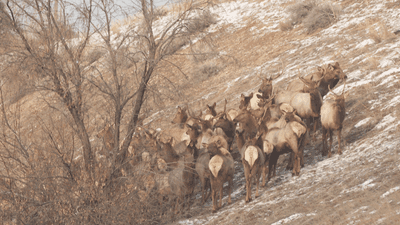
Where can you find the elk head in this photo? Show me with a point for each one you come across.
(211, 109)
(180, 116)
(245, 101)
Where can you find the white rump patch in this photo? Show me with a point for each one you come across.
(185, 138)
(161, 164)
(297, 128)
(268, 147)
(232, 114)
(251, 155)
(215, 164)
(285, 107)
(224, 151)
(208, 117)
(254, 101)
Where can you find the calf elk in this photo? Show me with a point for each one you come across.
(332, 116)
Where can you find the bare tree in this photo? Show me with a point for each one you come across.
(72, 58)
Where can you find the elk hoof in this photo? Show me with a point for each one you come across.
(214, 210)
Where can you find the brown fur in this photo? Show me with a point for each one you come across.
(245, 101)
(333, 113)
(228, 127)
(204, 173)
(225, 173)
(284, 140)
(181, 117)
(332, 75)
(251, 170)
(211, 109)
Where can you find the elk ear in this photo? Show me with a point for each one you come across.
(251, 95)
(171, 140)
(346, 94)
(337, 64)
(215, 104)
(330, 67)
(218, 142)
(179, 109)
(242, 95)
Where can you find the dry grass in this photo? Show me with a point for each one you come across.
(312, 14)
(378, 31)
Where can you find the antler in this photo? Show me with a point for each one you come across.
(329, 87)
(226, 102)
(273, 78)
(344, 87)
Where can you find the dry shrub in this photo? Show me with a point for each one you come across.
(194, 25)
(206, 70)
(380, 33)
(321, 16)
(202, 51)
(285, 25)
(175, 44)
(299, 11)
(203, 20)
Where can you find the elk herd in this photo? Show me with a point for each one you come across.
(267, 124)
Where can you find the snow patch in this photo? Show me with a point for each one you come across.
(362, 122)
(390, 191)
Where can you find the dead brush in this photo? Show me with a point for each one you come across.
(380, 32)
(322, 16)
(299, 11)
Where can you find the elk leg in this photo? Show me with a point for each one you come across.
(292, 141)
(272, 162)
(220, 196)
(290, 163)
(340, 149)
(258, 174)
(207, 189)
(214, 196)
(230, 190)
(264, 173)
(316, 121)
(330, 143)
(324, 141)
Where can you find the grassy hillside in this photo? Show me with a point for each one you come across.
(359, 187)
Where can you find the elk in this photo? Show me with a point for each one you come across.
(307, 105)
(210, 112)
(182, 179)
(204, 173)
(265, 90)
(232, 114)
(222, 169)
(332, 116)
(225, 127)
(247, 122)
(253, 160)
(288, 138)
(331, 74)
(181, 117)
